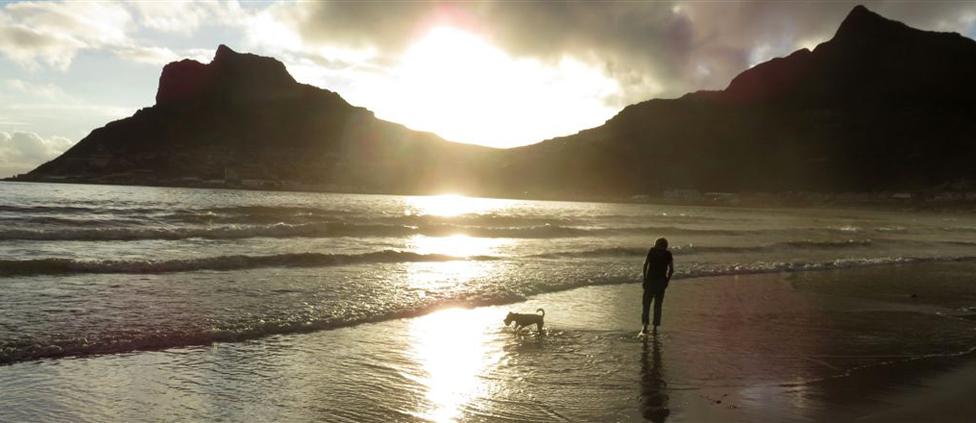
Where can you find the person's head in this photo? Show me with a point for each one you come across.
(661, 243)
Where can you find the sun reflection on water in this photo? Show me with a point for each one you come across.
(475, 259)
(459, 245)
(444, 277)
(454, 352)
(453, 347)
(452, 205)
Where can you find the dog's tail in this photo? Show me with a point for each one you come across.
(541, 311)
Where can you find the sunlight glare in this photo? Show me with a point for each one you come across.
(451, 347)
(451, 275)
(458, 245)
(458, 85)
(452, 205)
(444, 278)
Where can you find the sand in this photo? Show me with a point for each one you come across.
(872, 344)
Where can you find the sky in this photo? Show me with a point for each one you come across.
(497, 73)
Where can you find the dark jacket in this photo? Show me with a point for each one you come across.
(658, 267)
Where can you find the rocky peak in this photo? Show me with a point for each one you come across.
(869, 57)
(862, 24)
(229, 76)
(181, 81)
(223, 53)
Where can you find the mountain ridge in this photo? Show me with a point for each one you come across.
(243, 117)
(857, 113)
(879, 106)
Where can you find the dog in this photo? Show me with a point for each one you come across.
(523, 320)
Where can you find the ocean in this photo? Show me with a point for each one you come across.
(102, 269)
(143, 304)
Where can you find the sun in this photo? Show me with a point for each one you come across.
(458, 84)
(447, 71)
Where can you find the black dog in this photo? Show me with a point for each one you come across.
(522, 320)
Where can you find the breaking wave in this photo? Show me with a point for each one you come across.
(847, 243)
(59, 266)
(704, 249)
(118, 342)
(65, 266)
(334, 229)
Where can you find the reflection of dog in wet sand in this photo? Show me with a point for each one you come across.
(523, 319)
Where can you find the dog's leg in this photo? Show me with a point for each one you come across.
(539, 326)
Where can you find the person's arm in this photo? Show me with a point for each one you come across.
(647, 261)
(670, 267)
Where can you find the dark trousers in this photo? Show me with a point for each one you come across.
(653, 291)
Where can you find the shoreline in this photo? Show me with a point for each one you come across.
(924, 389)
(809, 346)
(156, 345)
(743, 200)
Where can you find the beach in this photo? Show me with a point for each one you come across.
(811, 346)
(329, 211)
(145, 304)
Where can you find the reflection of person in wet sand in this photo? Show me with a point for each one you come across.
(653, 395)
(658, 268)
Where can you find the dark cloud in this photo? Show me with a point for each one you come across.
(655, 48)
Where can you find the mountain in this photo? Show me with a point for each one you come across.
(243, 117)
(880, 106)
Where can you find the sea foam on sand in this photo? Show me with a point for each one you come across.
(879, 343)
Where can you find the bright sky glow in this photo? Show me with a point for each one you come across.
(463, 88)
(495, 73)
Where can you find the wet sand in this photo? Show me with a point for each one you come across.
(886, 343)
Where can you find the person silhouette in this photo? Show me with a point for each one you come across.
(658, 268)
(653, 389)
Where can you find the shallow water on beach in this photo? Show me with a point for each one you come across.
(278, 306)
(103, 269)
(732, 348)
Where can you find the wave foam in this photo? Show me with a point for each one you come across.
(117, 343)
(57, 266)
(333, 229)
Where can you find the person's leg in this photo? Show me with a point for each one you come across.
(658, 300)
(646, 302)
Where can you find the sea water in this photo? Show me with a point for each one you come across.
(88, 269)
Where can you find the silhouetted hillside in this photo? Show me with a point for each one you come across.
(880, 106)
(243, 118)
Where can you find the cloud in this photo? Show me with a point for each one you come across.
(35, 34)
(33, 103)
(22, 151)
(48, 99)
(149, 55)
(45, 90)
(652, 49)
(627, 51)
(29, 48)
(185, 17)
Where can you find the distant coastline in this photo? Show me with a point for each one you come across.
(928, 200)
